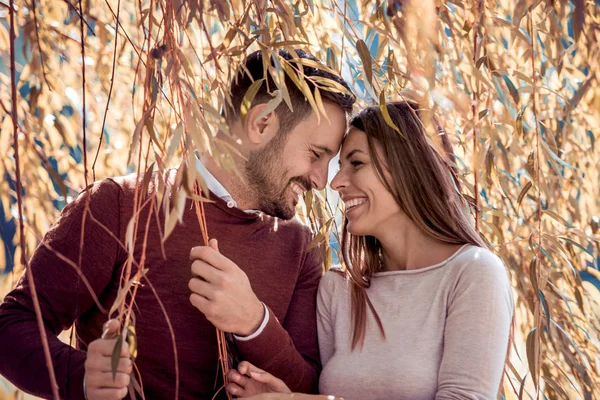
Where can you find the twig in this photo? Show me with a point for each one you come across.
(80, 15)
(474, 111)
(24, 261)
(539, 205)
(83, 110)
(112, 81)
(133, 45)
(221, 340)
(37, 36)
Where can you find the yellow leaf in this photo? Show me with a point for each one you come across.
(248, 98)
(386, 114)
(365, 57)
(271, 105)
(320, 104)
(523, 193)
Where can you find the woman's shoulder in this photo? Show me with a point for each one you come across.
(332, 283)
(478, 261)
(333, 278)
(479, 270)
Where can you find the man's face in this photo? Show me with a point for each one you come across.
(292, 163)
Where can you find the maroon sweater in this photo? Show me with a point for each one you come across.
(272, 253)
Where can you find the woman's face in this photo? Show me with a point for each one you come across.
(369, 207)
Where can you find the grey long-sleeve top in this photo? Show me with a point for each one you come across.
(447, 329)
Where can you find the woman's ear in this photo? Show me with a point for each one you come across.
(261, 127)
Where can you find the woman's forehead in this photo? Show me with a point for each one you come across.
(355, 138)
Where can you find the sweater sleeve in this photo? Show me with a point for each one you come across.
(477, 331)
(288, 349)
(62, 295)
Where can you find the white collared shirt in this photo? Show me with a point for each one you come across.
(219, 190)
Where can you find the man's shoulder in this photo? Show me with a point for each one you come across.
(296, 229)
(148, 184)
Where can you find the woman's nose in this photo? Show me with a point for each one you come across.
(339, 181)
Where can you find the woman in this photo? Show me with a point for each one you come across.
(423, 309)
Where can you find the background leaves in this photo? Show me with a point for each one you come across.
(514, 81)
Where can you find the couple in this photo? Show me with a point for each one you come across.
(422, 310)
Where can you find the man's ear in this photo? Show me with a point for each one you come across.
(261, 127)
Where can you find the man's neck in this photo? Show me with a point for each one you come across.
(232, 179)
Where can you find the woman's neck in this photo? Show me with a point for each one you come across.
(407, 247)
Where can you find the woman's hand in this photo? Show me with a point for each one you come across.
(249, 380)
(292, 396)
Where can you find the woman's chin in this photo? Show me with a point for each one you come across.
(356, 229)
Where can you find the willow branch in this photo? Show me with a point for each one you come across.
(24, 261)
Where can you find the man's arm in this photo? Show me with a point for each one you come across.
(62, 294)
(289, 350)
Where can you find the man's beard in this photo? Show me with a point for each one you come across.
(266, 176)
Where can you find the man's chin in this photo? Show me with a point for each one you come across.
(286, 214)
(279, 211)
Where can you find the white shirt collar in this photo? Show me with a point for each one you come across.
(217, 188)
(214, 185)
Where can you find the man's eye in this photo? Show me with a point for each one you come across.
(316, 155)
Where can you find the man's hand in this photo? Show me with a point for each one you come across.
(249, 380)
(222, 292)
(99, 383)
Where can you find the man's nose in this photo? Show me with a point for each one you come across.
(318, 178)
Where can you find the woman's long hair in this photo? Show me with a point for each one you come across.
(423, 183)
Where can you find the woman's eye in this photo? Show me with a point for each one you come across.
(356, 163)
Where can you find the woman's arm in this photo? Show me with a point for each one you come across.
(477, 331)
(250, 382)
(292, 396)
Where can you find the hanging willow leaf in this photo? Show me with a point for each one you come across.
(320, 105)
(578, 18)
(550, 381)
(532, 165)
(132, 341)
(524, 191)
(579, 94)
(512, 89)
(116, 356)
(271, 105)
(532, 355)
(386, 114)
(313, 64)
(594, 224)
(249, 98)
(522, 387)
(533, 271)
(365, 57)
(546, 312)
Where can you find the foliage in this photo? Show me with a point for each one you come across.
(139, 85)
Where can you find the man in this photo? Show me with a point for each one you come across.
(256, 280)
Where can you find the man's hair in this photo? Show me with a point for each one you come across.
(254, 69)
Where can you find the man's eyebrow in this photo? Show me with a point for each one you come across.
(324, 149)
